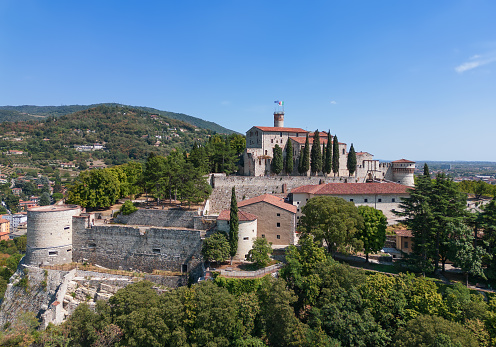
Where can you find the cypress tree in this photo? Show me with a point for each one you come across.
(277, 162)
(316, 156)
(351, 163)
(328, 162)
(305, 165)
(335, 156)
(233, 226)
(426, 170)
(289, 157)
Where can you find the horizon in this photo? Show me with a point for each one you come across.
(398, 80)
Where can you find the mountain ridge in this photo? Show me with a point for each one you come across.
(33, 112)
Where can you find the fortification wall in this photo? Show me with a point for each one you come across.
(143, 249)
(248, 187)
(177, 218)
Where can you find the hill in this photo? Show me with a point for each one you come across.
(27, 112)
(126, 133)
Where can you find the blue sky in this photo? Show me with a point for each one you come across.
(399, 79)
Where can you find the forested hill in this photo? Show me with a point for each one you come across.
(125, 132)
(28, 112)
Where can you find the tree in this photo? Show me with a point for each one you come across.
(45, 199)
(316, 155)
(465, 254)
(352, 161)
(95, 189)
(259, 253)
(373, 233)
(277, 161)
(333, 221)
(216, 248)
(233, 225)
(335, 155)
(305, 162)
(328, 156)
(426, 170)
(420, 219)
(487, 221)
(288, 167)
(127, 208)
(428, 330)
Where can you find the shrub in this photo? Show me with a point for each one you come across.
(127, 208)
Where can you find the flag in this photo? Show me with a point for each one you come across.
(280, 103)
(276, 102)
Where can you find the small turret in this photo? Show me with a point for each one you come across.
(403, 172)
(279, 119)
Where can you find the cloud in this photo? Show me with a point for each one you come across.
(333, 102)
(476, 61)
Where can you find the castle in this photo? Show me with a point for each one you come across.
(261, 141)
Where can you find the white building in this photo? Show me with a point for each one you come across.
(247, 232)
(382, 196)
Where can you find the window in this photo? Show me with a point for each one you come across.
(297, 210)
(278, 225)
(53, 253)
(406, 244)
(297, 217)
(184, 268)
(245, 238)
(307, 199)
(393, 199)
(265, 152)
(156, 250)
(365, 200)
(280, 134)
(251, 133)
(92, 245)
(271, 140)
(278, 215)
(69, 250)
(263, 236)
(278, 237)
(351, 200)
(344, 151)
(379, 200)
(67, 227)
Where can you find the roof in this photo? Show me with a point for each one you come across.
(404, 233)
(352, 189)
(2, 220)
(403, 161)
(242, 216)
(363, 153)
(283, 129)
(270, 199)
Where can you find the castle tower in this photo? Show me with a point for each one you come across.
(403, 172)
(49, 234)
(279, 119)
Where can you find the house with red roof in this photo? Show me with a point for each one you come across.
(265, 216)
(384, 196)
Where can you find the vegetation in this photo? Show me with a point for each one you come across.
(373, 232)
(233, 225)
(316, 154)
(335, 155)
(333, 221)
(216, 248)
(277, 160)
(328, 155)
(127, 208)
(260, 252)
(351, 161)
(304, 160)
(289, 161)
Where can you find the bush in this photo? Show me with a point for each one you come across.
(127, 208)
(259, 254)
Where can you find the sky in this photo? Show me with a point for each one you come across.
(398, 79)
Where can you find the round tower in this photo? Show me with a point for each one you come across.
(279, 119)
(403, 172)
(49, 234)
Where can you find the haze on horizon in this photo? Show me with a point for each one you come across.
(411, 80)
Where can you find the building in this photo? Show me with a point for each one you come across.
(276, 219)
(404, 241)
(16, 219)
(25, 205)
(261, 141)
(247, 230)
(384, 196)
(4, 229)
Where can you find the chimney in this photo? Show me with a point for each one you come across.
(279, 119)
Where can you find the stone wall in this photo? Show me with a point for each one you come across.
(176, 217)
(138, 248)
(249, 187)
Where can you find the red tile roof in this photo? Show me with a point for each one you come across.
(362, 153)
(403, 161)
(270, 199)
(242, 216)
(301, 140)
(404, 233)
(352, 189)
(283, 129)
(2, 220)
